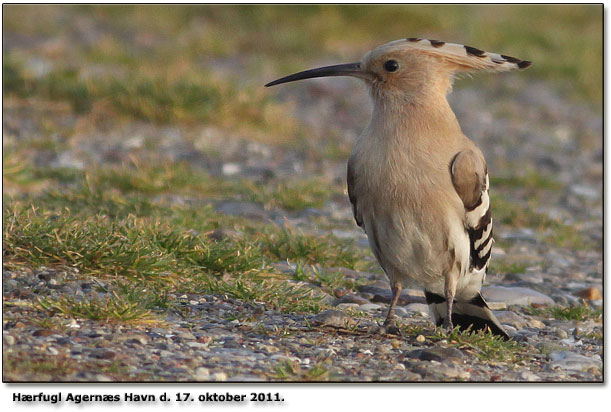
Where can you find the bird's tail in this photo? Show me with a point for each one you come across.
(474, 313)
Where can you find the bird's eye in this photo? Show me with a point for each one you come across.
(391, 66)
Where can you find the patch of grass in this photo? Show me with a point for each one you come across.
(555, 232)
(579, 312)
(112, 308)
(286, 243)
(277, 294)
(162, 177)
(191, 97)
(294, 195)
(292, 371)
(567, 236)
(501, 266)
(328, 280)
(132, 247)
(485, 345)
(530, 181)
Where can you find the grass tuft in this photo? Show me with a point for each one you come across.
(287, 244)
(484, 344)
(112, 308)
(580, 312)
(292, 371)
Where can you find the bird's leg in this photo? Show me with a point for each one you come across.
(389, 323)
(450, 292)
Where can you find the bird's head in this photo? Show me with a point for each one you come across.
(410, 69)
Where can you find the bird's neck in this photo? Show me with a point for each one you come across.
(428, 119)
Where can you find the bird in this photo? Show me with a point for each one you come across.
(418, 186)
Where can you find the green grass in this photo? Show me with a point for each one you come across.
(328, 280)
(500, 266)
(553, 231)
(194, 97)
(275, 292)
(288, 244)
(113, 308)
(485, 345)
(110, 224)
(581, 312)
(531, 181)
(292, 371)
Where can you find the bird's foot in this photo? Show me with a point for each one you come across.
(447, 325)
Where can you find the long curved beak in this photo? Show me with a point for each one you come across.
(349, 69)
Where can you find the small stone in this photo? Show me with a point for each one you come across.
(536, 323)
(369, 307)
(420, 339)
(589, 294)
(396, 344)
(334, 318)
(101, 378)
(561, 333)
(219, 377)
(437, 354)
(351, 298)
(43, 332)
(196, 345)
(515, 296)
(497, 305)
(419, 308)
(185, 335)
(345, 306)
(202, 374)
(573, 361)
(399, 311)
(230, 169)
(528, 376)
(9, 340)
(507, 317)
(268, 348)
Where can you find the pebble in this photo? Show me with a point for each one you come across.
(202, 374)
(352, 298)
(334, 318)
(369, 307)
(419, 308)
(400, 311)
(507, 317)
(573, 361)
(515, 296)
(528, 376)
(438, 354)
(9, 340)
(589, 294)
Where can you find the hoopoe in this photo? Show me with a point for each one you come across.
(418, 186)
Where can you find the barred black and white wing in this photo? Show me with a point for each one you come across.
(470, 179)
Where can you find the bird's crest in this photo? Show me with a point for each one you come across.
(461, 57)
